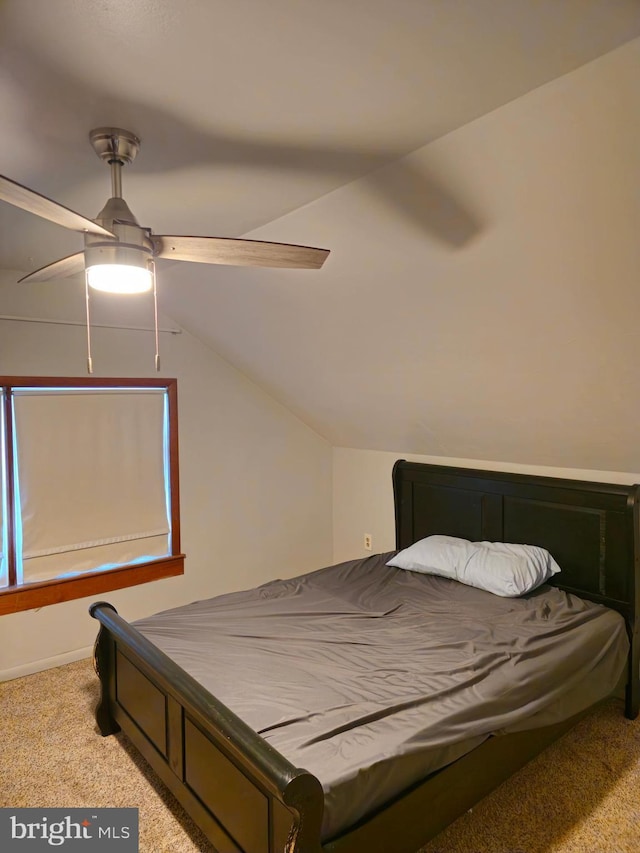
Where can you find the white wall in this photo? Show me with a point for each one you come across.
(255, 482)
(363, 493)
(517, 345)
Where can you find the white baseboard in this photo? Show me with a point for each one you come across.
(45, 663)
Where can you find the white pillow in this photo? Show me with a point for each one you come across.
(498, 567)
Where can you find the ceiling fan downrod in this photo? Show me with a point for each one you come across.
(117, 147)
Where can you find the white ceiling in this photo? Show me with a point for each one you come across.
(263, 118)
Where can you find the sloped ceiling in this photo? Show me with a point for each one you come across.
(472, 166)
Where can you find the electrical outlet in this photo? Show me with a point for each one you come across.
(368, 544)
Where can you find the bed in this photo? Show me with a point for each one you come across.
(237, 784)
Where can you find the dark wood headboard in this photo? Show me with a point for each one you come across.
(591, 529)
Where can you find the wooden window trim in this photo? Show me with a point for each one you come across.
(54, 591)
(29, 596)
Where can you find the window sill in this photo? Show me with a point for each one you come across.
(35, 595)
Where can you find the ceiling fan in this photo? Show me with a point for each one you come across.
(119, 254)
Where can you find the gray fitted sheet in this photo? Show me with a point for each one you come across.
(372, 677)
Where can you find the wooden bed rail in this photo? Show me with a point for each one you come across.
(262, 765)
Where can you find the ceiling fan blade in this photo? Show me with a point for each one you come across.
(33, 202)
(64, 268)
(237, 252)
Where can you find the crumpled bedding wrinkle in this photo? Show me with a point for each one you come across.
(372, 677)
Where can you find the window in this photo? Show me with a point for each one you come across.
(88, 487)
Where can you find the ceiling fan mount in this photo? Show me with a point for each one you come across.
(114, 143)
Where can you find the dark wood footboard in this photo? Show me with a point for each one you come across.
(242, 793)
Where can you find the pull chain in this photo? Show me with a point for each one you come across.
(155, 314)
(86, 291)
(152, 267)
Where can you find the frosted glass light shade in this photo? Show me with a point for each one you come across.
(119, 278)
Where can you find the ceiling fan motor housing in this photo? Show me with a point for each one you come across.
(137, 253)
(133, 245)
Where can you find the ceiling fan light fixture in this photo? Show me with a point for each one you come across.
(119, 278)
(117, 267)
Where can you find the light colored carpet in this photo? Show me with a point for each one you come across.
(51, 755)
(580, 796)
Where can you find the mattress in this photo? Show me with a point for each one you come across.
(372, 677)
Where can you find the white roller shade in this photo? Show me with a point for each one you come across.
(91, 478)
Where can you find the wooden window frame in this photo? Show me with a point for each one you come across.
(15, 597)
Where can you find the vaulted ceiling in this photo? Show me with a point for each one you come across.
(472, 165)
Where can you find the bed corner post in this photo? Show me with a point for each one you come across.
(103, 662)
(396, 476)
(304, 796)
(632, 701)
